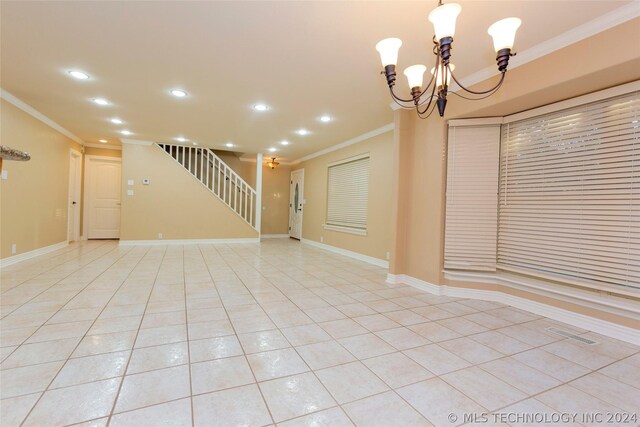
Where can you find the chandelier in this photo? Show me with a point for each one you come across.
(273, 164)
(443, 19)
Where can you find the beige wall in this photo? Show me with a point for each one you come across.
(275, 190)
(420, 145)
(377, 242)
(34, 197)
(174, 204)
(246, 170)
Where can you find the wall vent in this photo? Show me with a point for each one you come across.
(572, 336)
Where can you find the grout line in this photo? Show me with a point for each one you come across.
(124, 255)
(264, 401)
(66, 251)
(186, 320)
(297, 276)
(133, 345)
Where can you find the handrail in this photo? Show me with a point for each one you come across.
(232, 171)
(236, 173)
(214, 176)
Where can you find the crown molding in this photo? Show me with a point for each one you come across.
(104, 147)
(359, 138)
(136, 141)
(602, 23)
(38, 115)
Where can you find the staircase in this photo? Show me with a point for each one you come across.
(219, 178)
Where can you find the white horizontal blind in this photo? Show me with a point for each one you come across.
(472, 197)
(570, 195)
(348, 193)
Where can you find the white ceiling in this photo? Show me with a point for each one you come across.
(303, 59)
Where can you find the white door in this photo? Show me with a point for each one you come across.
(295, 204)
(102, 193)
(75, 176)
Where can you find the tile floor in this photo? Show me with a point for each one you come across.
(280, 333)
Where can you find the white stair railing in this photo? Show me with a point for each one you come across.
(218, 177)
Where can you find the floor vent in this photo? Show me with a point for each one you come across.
(569, 335)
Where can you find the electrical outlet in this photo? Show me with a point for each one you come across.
(160, 236)
(129, 182)
(321, 239)
(5, 174)
(14, 249)
(129, 192)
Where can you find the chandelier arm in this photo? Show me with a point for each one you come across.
(433, 77)
(398, 98)
(406, 107)
(477, 92)
(433, 91)
(425, 101)
(482, 97)
(423, 117)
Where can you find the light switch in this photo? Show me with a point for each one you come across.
(129, 192)
(5, 174)
(129, 182)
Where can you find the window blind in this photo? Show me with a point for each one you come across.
(472, 197)
(570, 195)
(348, 193)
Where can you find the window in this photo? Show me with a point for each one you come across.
(472, 196)
(348, 195)
(566, 206)
(570, 195)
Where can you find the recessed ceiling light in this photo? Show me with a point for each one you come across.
(116, 121)
(302, 132)
(326, 118)
(181, 139)
(272, 150)
(78, 75)
(104, 141)
(228, 144)
(261, 107)
(100, 101)
(178, 93)
(125, 132)
(284, 142)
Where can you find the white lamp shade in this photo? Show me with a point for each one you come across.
(388, 49)
(504, 33)
(444, 18)
(441, 74)
(414, 75)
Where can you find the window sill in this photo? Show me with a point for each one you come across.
(349, 230)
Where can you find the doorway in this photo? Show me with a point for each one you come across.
(75, 185)
(296, 202)
(102, 197)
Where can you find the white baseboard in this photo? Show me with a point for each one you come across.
(31, 254)
(613, 330)
(187, 242)
(274, 236)
(355, 255)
